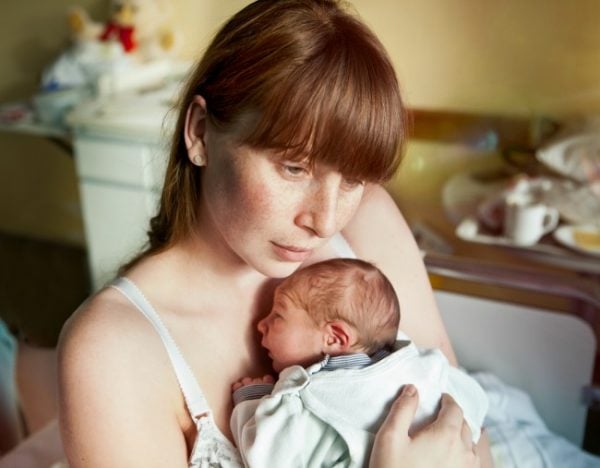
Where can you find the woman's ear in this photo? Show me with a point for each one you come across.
(339, 337)
(195, 131)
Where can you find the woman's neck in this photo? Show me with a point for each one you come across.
(201, 269)
(205, 249)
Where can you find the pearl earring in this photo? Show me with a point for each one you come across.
(197, 159)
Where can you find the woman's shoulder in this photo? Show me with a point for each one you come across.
(379, 233)
(112, 368)
(110, 344)
(377, 225)
(105, 323)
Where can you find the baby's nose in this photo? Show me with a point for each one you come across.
(262, 326)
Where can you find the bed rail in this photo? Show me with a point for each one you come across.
(584, 290)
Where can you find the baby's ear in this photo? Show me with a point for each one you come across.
(339, 337)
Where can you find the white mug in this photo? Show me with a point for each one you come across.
(526, 219)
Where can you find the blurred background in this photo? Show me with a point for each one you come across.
(530, 59)
(488, 84)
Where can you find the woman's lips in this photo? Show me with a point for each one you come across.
(290, 253)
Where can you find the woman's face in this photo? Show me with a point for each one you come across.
(271, 213)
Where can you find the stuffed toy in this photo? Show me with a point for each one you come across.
(141, 27)
(120, 27)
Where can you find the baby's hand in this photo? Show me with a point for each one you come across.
(265, 379)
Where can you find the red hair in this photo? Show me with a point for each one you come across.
(303, 77)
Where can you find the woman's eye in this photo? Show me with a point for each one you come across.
(352, 184)
(293, 170)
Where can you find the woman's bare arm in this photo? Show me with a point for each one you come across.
(378, 233)
(114, 410)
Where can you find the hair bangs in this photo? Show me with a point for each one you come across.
(340, 107)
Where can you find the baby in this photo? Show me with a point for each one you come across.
(332, 336)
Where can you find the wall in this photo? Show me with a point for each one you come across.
(528, 58)
(38, 190)
(525, 57)
(516, 56)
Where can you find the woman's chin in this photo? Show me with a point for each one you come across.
(276, 269)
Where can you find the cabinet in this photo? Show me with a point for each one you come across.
(120, 148)
(119, 183)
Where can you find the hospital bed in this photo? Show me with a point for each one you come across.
(547, 354)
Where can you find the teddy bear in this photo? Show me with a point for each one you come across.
(120, 27)
(141, 27)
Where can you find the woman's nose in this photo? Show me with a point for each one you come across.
(320, 211)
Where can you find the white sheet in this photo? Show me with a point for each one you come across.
(519, 437)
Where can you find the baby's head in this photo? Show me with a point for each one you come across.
(333, 307)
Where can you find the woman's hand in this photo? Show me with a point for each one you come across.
(445, 442)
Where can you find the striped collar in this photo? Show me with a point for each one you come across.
(329, 363)
(351, 361)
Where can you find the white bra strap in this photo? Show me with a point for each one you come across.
(192, 394)
(341, 246)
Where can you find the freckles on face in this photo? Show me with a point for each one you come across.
(237, 199)
(257, 199)
(270, 216)
(244, 204)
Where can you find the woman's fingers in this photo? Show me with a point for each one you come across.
(402, 412)
(392, 439)
(450, 415)
(445, 442)
(466, 436)
(450, 420)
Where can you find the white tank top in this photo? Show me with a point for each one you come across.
(211, 448)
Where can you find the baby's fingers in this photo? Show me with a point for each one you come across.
(235, 386)
(241, 383)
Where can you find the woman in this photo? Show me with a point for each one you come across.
(286, 126)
